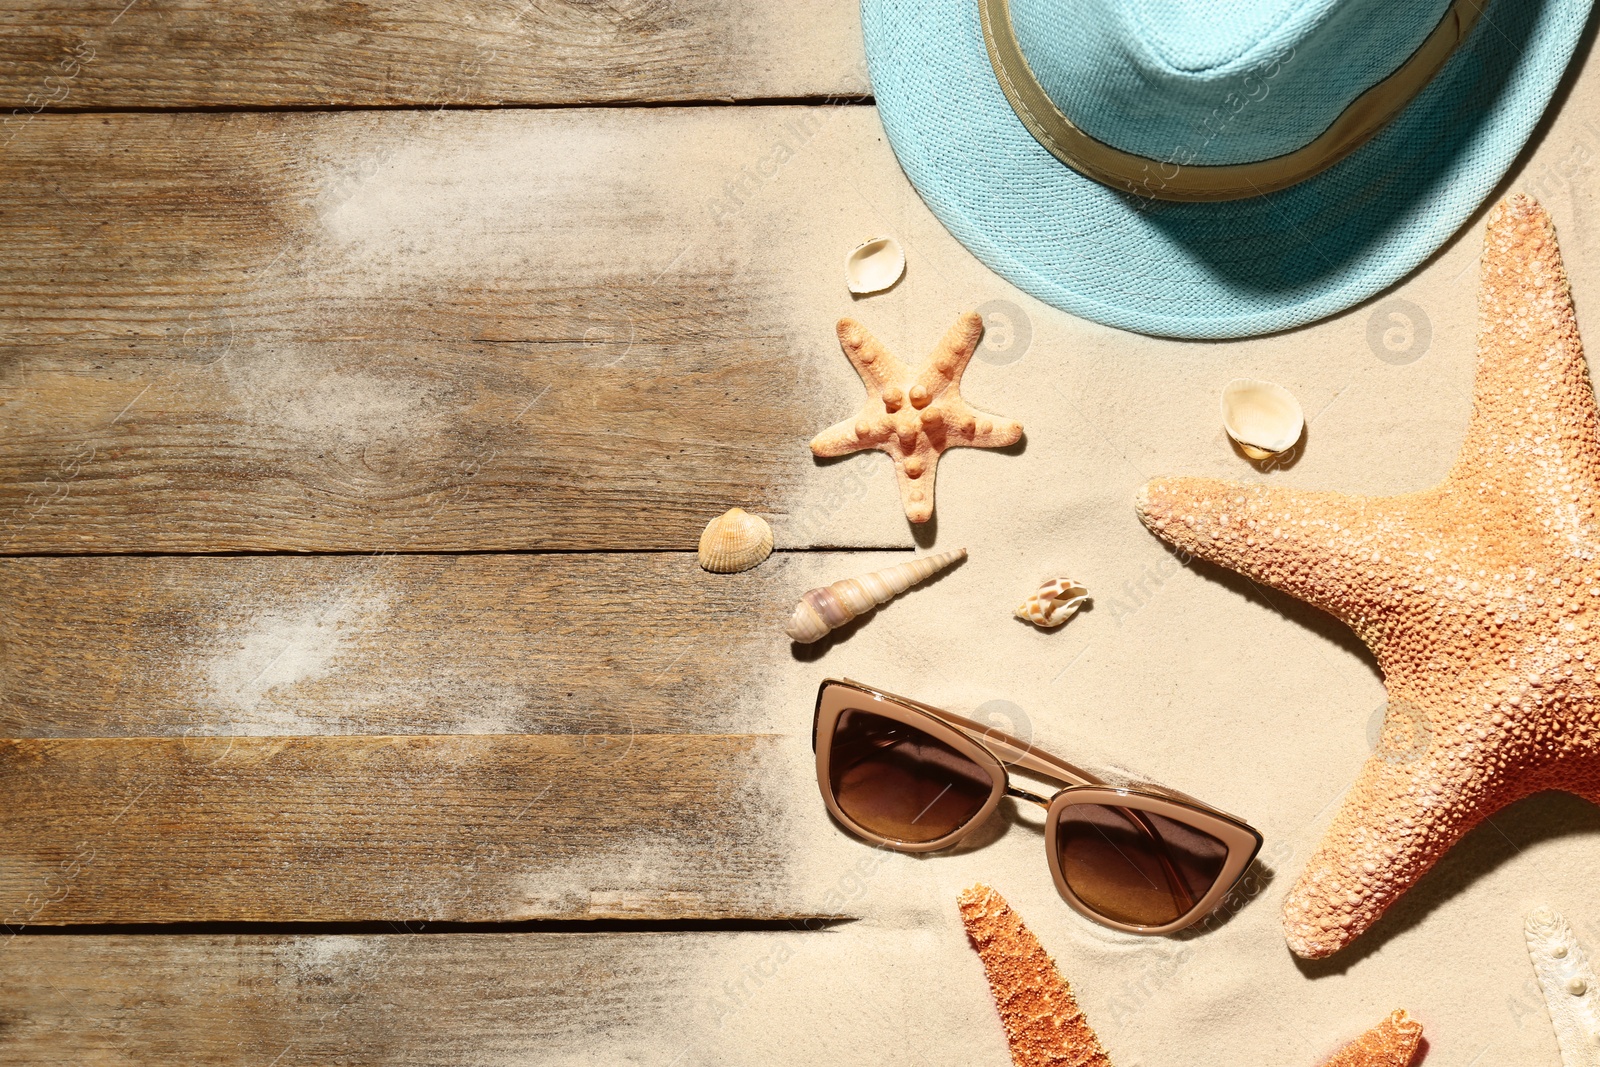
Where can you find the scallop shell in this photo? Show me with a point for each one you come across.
(874, 265)
(1569, 987)
(735, 541)
(831, 606)
(1053, 603)
(1263, 417)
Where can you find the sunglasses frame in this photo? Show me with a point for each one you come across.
(996, 752)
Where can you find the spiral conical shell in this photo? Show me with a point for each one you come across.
(735, 541)
(831, 606)
(1053, 603)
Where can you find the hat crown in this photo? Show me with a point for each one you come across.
(1214, 81)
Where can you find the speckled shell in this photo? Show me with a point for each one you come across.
(874, 265)
(831, 606)
(735, 541)
(1263, 417)
(1053, 603)
(1568, 983)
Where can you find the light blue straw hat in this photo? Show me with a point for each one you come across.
(1211, 168)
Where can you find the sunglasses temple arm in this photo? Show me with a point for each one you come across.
(1015, 752)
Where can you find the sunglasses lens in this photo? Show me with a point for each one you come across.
(901, 783)
(1136, 867)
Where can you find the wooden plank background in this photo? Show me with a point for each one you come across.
(247, 342)
(307, 829)
(605, 643)
(447, 999)
(190, 53)
(178, 377)
(474, 414)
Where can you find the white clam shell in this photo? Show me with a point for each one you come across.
(829, 607)
(1263, 417)
(735, 541)
(1053, 603)
(874, 265)
(1568, 984)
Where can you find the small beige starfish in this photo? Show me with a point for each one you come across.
(1479, 597)
(914, 416)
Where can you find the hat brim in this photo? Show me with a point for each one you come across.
(1237, 268)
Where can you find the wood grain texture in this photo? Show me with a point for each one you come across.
(582, 643)
(186, 53)
(444, 1000)
(393, 331)
(398, 828)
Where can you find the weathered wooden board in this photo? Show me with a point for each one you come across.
(609, 643)
(185, 53)
(647, 999)
(550, 329)
(537, 329)
(398, 828)
(383, 331)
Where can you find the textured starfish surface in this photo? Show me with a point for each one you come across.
(1479, 597)
(1043, 1022)
(1045, 1026)
(914, 415)
(1571, 992)
(1392, 1043)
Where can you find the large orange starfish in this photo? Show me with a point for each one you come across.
(1479, 597)
(914, 416)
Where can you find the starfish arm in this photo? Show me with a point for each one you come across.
(1417, 795)
(879, 369)
(916, 493)
(1392, 1043)
(843, 438)
(1535, 431)
(964, 426)
(1304, 543)
(949, 359)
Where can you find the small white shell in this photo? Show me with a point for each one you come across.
(1263, 417)
(735, 541)
(874, 265)
(1053, 603)
(1568, 985)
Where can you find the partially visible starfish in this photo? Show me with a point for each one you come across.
(1392, 1043)
(1046, 1028)
(1570, 990)
(1043, 1022)
(914, 416)
(1479, 597)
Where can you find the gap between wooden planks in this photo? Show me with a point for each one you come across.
(591, 769)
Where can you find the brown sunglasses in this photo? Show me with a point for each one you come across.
(902, 775)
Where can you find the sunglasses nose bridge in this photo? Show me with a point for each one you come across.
(1023, 794)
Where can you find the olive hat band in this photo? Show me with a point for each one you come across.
(1179, 179)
